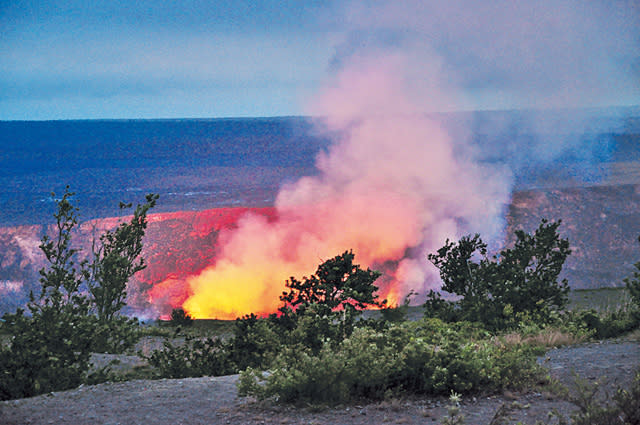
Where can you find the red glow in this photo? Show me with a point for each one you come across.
(183, 249)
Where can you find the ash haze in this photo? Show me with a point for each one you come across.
(74, 59)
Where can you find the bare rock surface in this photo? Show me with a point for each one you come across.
(214, 400)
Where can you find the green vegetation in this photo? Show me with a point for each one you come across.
(427, 357)
(318, 348)
(519, 284)
(633, 284)
(50, 349)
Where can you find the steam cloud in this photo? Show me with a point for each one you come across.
(396, 183)
(392, 187)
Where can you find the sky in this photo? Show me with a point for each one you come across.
(76, 59)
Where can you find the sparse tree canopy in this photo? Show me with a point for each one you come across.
(116, 260)
(338, 282)
(522, 280)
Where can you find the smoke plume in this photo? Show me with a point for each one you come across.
(392, 187)
(396, 182)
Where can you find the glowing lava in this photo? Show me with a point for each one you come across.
(392, 187)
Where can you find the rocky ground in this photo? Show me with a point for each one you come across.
(214, 400)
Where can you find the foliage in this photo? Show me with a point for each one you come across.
(116, 260)
(180, 318)
(519, 282)
(254, 343)
(423, 357)
(625, 409)
(600, 325)
(50, 349)
(194, 358)
(454, 417)
(115, 336)
(399, 312)
(335, 293)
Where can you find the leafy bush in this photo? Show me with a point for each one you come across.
(601, 325)
(624, 410)
(49, 350)
(424, 357)
(254, 343)
(197, 357)
(518, 282)
(115, 336)
(336, 293)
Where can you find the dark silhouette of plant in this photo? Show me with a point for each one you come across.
(519, 283)
(49, 350)
(181, 318)
(116, 260)
(339, 289)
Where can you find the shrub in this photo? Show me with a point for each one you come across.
(338, 290)
(519, 282)
(180, 318)
(193, 358)
(49, 350)
(115, 336)
(424, 357)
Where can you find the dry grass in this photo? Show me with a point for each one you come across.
(546, 338)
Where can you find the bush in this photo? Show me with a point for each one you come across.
(518, 282)
(115, 336)
(601, 325)
(633, 284)
(194, 358)
(424, 357)
(180, 318)
(50, 349)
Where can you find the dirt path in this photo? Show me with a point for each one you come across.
(214, 400)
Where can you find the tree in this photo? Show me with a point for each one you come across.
(337, 283)
(181, 318)
(50, 350)
(338, 288)
(116, 260)
(519, 281)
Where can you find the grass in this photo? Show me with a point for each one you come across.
(547, 338)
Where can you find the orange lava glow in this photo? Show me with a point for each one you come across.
(188, 268)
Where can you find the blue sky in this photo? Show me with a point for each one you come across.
(194, 58)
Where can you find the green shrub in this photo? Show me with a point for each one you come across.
(48, 351)
(255, 343)
(601, 325)
(518, 282)
(193, 358)
(115, 336)
(633, 284)
(422, 357)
